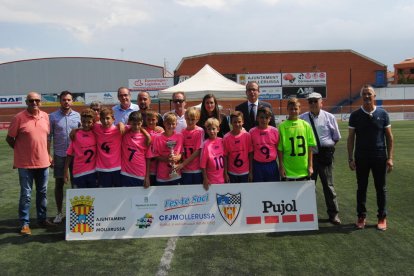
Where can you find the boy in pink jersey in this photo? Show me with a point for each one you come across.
(153, 129)
(193, 143)
(82, 150)
(237, 147)
(134, 161)
(265, 140)
(108, 142)
(167, 157)
(212, 160)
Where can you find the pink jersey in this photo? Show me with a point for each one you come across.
(193, 140)
(159, 148)
(237, 149)
(108, 143)
(83, 150)
(265, 142)
(153, 163)
(134, 153)
(212, 160)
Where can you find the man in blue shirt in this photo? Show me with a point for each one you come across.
(125, 107)
(370, 134)
(62, 121)
(328, 134)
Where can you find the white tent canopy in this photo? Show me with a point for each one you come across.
(205, 81)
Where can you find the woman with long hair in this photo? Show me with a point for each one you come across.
(210, 109)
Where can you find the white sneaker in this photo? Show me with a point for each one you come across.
(58, 218)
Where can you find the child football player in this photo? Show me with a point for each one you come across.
(153, 129)
(294, 150)
(135, 144)
(193, 143)
(237, 147)
(82, 150)
(265, 139)
(212, 160)
(168, 157)
(108, 143)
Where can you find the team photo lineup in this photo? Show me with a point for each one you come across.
(130, 145)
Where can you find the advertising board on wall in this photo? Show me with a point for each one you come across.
(303, 79)
(267, 79)
(270, 93)
(12, 101)
(303, 91)
(164, 211)
(150, 84)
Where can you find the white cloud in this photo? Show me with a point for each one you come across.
(210, 4)
(83, 19)
(10, 51)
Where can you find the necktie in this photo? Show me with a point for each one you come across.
(251, 114)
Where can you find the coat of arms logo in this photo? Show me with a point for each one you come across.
(229, 206)
(82, 214)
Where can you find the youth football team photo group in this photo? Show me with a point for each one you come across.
(131, 145)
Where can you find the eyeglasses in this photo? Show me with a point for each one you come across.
(33, 100)
(312, 101)
(178, 101)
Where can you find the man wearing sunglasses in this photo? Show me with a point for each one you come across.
(27, 136)
(327, 135)
(178, 99)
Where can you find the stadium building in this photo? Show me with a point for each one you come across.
(88, 78)
(337, 74)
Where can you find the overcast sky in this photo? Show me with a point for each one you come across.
(156, 30)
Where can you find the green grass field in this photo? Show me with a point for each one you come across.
(332, 250)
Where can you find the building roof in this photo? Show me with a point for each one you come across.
(276, 53)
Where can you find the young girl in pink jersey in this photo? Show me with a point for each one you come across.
(153, 129)
(265, 140)
(82, 150)
(237, 147)
(193, 143)
(212, 160)
(134, 159)
(108, 142)
(168, 157)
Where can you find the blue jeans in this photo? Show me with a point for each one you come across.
(26, 177)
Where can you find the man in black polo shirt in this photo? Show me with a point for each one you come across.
(370, 132)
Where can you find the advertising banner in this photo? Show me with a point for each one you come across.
(13, 101)
(268, 79)
(298, 79)
(106, 98)
(53, 99)
(303, 91)
(150, 84)
(135, 212)
(270, 93)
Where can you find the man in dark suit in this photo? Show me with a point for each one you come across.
(249, 108)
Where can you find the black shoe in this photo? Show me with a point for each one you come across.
(335, 220)
(46, 224)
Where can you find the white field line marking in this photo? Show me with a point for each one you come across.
(166, 259)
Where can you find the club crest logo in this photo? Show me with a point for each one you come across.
(229, 206)
(82, 214)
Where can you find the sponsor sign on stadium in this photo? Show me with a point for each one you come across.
(135, 212)
(150, 84)
(12, 101)
(270, 93)
(269, 79)
(303, 91)
(309, 78)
